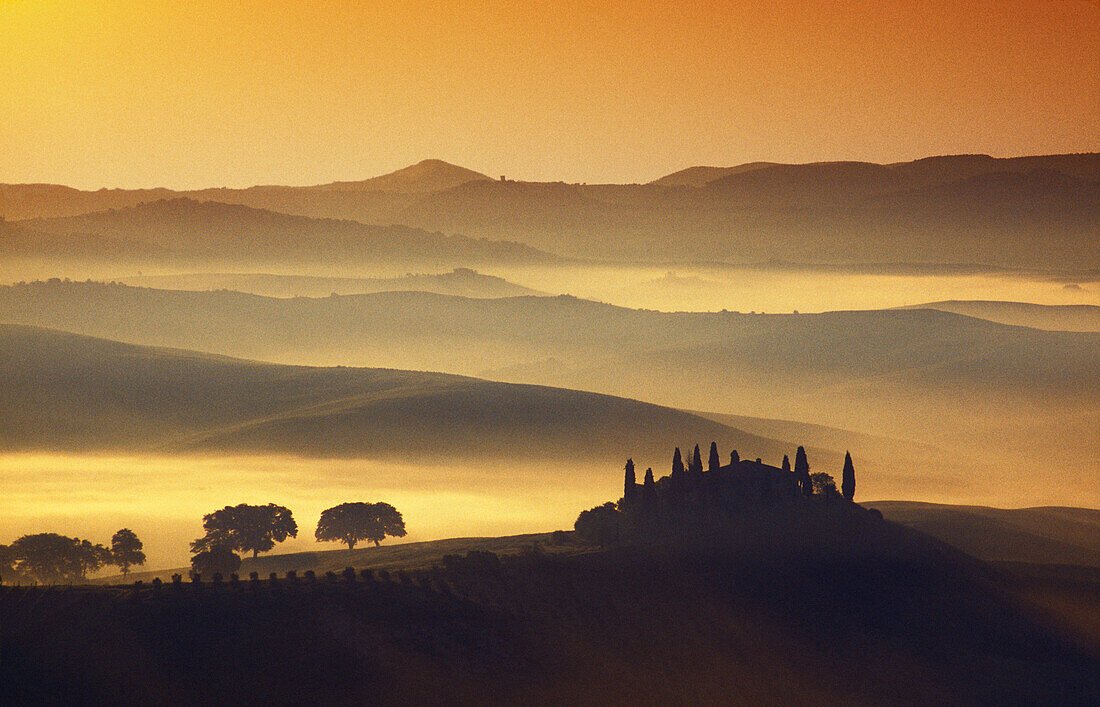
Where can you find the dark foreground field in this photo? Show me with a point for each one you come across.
(854, 611)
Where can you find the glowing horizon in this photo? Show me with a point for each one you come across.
(128, 94)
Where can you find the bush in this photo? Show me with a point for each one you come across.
(601, 525)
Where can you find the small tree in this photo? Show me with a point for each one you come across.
(677, 463)
(714, 462)
(246, 528)
(126, 550)
(351, 522)
(848, 479)
(630, 483)
(734, 458)
(92, 557)
(786, 463)
(802, 471)
(601, 525)
(696, 462)
(823, 484)
(216, 559)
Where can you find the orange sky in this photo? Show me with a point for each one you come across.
(237, 92)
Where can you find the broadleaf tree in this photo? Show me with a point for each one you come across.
(353, 522)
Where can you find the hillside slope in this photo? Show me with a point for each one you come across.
(207, 231)
(460, 282)
(1049, 535)
(65, 392)
(1068, 317)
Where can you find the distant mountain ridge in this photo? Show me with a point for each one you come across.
(1037, 211)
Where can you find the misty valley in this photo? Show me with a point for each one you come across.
(773, 433)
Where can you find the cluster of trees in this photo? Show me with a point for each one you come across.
(692, 496)
(246, 528)
(51, 558)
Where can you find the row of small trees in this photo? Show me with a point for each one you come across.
(51, 558)
(254, 529)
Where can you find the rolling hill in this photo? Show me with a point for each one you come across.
(1069, 317)
(1050, 535)
(422, 177)
(212, 232)
(64, 392)
(948, 381)
(460, 282)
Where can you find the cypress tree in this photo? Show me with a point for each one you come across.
(848, 482)
(734, 458)
(649, 488)
(714, 462)
(677, 463)
(786, 463)
(697, 461)
(802, 471)
(630, 484)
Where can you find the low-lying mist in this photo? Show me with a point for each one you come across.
(669, 288)
(163, 499)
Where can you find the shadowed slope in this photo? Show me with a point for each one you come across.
(65, 392)
(218, 232)
(1068, 317)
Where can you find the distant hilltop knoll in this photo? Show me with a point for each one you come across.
(422, 177)
(1036, 211)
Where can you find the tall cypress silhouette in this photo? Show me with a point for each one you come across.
(734, 458)
(714, 462)
(649, 488)
(848, 482)
(696, 461)
(786, 463)
(677, 463)
(630, 483)
(802, 471)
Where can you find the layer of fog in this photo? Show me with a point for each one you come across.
(163, 498)
(681, 287)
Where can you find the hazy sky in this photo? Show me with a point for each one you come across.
(237, 92)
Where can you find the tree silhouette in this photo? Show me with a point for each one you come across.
(786, 463)
(351, 522)
(92, 557)
(246, 528)
(601, 525)
(630, 483)
(7, 564)
(823, 484)
(848, 479)
(126, 550)
(696, 462)
(734, 458)
(216, 559)
(649, 488)
(677, 463)
(802, 471)
(48, 557)
(714, 462)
